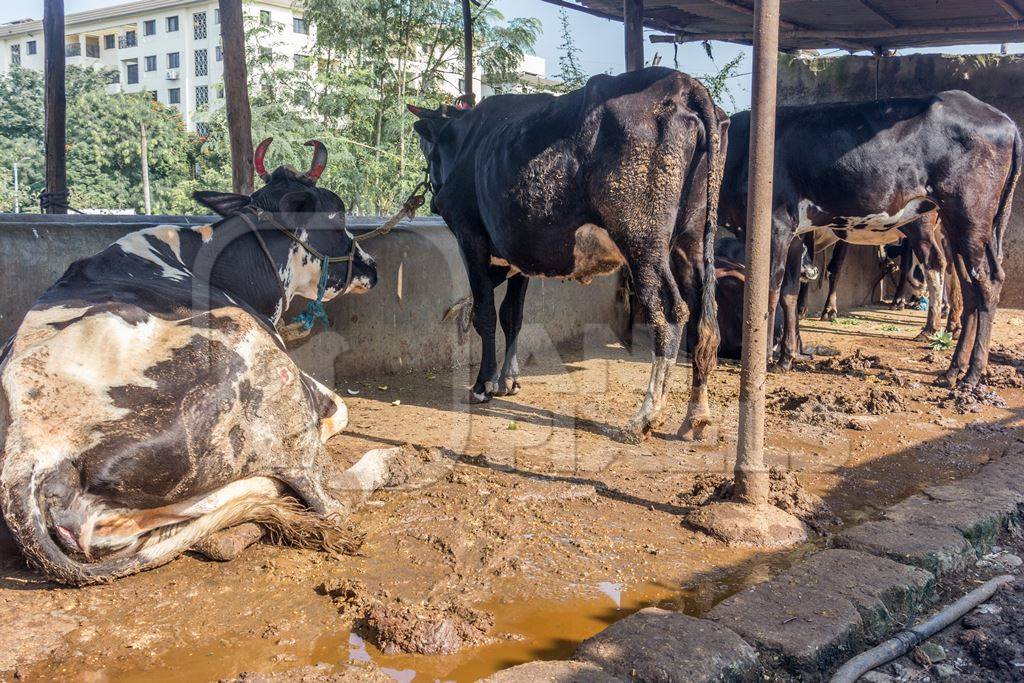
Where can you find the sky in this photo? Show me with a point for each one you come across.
(600, 41)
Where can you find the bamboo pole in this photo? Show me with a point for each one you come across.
(633, 25)
(467, 49)
(236, 95)
(146, 197)
(55, 196)
(751, 474)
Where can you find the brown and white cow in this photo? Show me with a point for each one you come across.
(147, 400)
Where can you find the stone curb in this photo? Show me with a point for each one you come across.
(810, 618)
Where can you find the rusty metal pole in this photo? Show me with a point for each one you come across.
(467, 49)
(55, 106)
(751, 474)
(236, 95)
(633, 25)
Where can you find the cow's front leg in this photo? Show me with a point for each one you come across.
(660, 299)
(476, 252)
(511, 317)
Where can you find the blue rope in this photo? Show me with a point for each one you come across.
(315, 309)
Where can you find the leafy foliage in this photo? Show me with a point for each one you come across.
(571, 73)
(718, 82)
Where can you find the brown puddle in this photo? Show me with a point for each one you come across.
(533, 630)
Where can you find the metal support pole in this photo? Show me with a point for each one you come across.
(633, 24)
(55, 107)
(751, 474)
(236, 95)
(17, 199)
(467, 49)
(146, 198)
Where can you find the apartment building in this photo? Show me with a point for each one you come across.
(168, 48)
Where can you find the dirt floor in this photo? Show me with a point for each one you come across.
(534, 528)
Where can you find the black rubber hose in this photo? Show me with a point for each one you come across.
(903, 641)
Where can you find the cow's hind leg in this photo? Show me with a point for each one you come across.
(701, 342)
(511, 317)
(476, 252)
(791, 346)
(835, 266)
(659, 297)
(985, 282)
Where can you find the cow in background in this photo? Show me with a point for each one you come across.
(863, 171)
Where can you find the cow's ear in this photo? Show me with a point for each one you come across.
(424, 130)
(222, 203)
(298, 202)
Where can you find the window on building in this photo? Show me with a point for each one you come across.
(174, 96)
(265, 17)
(299, 25)
(92, 47)
(202, 66)
(219, 53)
(15, 55)
(30, 47)
(173, 60)
(199, 25)
(172, 24)
(202, 95)
(109, 41)
(220, 91)
(151, 63)
(149, 27)
(301, 62)
(132, 72)
(127, 40)
(202, 129)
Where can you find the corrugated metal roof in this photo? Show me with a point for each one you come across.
(868, 24)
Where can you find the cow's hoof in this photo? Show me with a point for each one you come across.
(634, 432)
(509, 386)
(475, 397)
(697, 429)
(829, 315)
(897, 306)
(924, 335)
(948, 378)
(803, 356)
(782, 365)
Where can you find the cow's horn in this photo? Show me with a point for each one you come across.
(257, 159)
(316, 169)
(413, 109)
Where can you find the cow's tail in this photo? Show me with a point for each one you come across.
(705, 351)
(1002, 218)
(20, 501)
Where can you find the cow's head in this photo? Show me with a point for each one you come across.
(314, 214)
(439, 140)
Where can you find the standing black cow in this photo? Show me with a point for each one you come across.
(576, 186)
(863, 171)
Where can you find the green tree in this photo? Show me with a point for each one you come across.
(570, 73)
(718, 82)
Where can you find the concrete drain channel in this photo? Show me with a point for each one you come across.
(871, 581)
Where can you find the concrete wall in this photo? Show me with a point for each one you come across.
(996, 79)
(396, 326)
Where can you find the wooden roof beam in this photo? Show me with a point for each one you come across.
(883, 15)
(1010, 9)
(783, 24)
(836, 35)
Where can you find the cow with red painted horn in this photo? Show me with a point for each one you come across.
(146, 400)
(620, 172)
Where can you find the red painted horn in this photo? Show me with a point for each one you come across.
(316, 169)
(257, 159)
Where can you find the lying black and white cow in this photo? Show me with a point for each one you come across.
(576, 186)
(147, 400)
(862, 171)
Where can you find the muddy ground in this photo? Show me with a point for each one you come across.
(540, 527)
